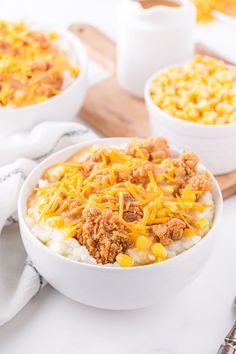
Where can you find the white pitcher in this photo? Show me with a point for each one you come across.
(149, 39)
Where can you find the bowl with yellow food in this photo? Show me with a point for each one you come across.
(117, 223)
(194, 106)
(43, 75)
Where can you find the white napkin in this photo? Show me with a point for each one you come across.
(19, 280)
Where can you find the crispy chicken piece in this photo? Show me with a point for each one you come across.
(91, 161)
(52, 77)
(72, 212)
(51, 82)
(168, 232)
(122, 176)
(154, 149)
(4, 46)
(200, 183)
(140, 173)
(133, 214)
(186, 167)
(40, 38)
(41, 65)
(103, 234)
(127, 198)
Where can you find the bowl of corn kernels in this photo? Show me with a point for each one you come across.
(194, 105)
(43, 75)
(120, 223)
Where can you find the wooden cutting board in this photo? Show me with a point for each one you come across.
(109, 109)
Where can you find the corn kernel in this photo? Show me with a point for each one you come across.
(209, 117)
(158, 99)
(202, 223)
(159, 251)
(40, 99)
(143, 243)
(203, 105)
(74, 71)
(193, 114)
(124, 260)
(181, 115)
(55, 221)
(53, 35)
(189, 232)
(168, 101)
(222, 108)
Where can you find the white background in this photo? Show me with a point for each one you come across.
(194, 322)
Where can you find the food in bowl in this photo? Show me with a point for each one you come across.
(201, 91)
(34, 65)
(205, 7)
(128, 206)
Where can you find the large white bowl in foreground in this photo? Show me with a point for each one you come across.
(113, 287)
(63, 106)
(214, 144)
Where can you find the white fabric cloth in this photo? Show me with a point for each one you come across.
(19, 279)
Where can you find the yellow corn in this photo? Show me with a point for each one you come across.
(53, 35)
(224, 108)
(55, 221)
(189, 232)
(202, 223)
(201, 90)
(124, 260)
(159, 251)
(143, 243)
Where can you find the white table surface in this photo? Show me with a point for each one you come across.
(194, 322)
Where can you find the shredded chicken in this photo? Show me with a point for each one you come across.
(103, 234)
(200, 183)
(168, 232)
(154, 149)
(133, 214)
(72, 212)
(186, 167)
(140, 173)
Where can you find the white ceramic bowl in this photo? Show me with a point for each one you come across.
(214, 144)
(64, 106)
(113, 287)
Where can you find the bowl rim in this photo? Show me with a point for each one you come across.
(79, 52)
(114, 141)
(175, 120)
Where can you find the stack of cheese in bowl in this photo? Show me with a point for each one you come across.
(194, 105)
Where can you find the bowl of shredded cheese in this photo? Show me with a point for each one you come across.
(42, 75)
(194, 105)
(111, 222)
